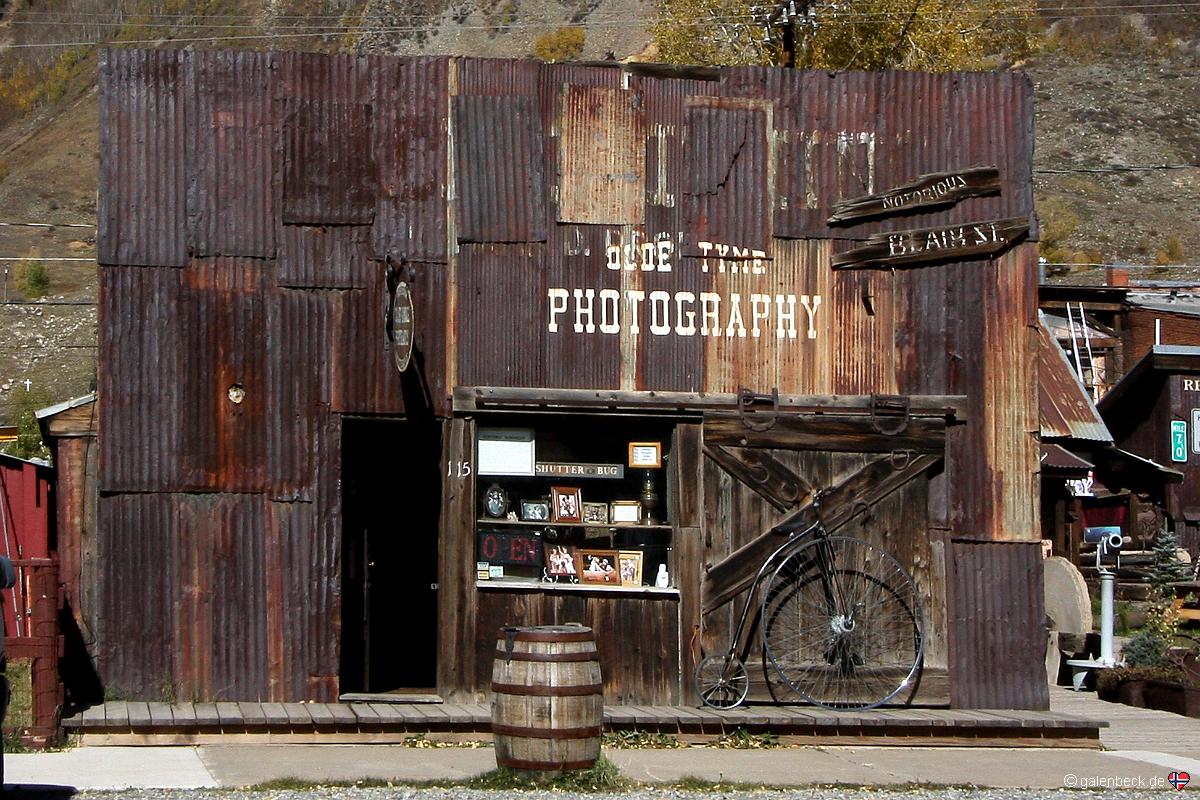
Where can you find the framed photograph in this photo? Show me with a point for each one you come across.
(629, 566)
(535, 511)
(647, 455)
(560, 560)
(566, 504)
(625, 512)
(595, 513)
(599, 566)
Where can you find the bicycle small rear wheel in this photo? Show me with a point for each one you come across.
(841, 622)
(722, 681)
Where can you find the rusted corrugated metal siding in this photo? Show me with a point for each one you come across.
(138, 556)
(499, 171)
(329, 172)
(997, 619)
(232, 155)
(139, 377)
(602, 156)
(142, 198)
(411, 110)
(508, 351)
(224, 336)
(325, 257)
(591, 359)
(727, 152)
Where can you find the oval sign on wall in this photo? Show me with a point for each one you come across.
(402, 326)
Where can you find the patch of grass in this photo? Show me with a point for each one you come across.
(32, 278)
(300, 785)
(640, 740)
(603, 777)
(423, 742)
(742, 739)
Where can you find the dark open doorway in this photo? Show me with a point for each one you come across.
(391, 501)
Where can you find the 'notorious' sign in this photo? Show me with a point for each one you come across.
(926, 192)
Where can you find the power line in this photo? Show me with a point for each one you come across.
(46, 258)
(334, 30)
(1148, 168)
(46, 225)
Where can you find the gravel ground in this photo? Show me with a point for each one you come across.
(814, 793)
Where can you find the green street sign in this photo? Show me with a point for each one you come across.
(1178, 440)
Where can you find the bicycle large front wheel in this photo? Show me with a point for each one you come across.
(841, 624)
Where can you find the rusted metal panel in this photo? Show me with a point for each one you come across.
(136, 558)
(499, 77)
(325, 257)
(789, 326)
(843, 135)
(591, 356)
(139, 378)
(602, 156)
(364, 378)
(232, 158)
(997, 619)
(1010, 419)
(501, 345)
(499, 169)
(329, 171)
(141, 205)
(224, 400)
(1064, 408)
(727, 151)
(864, 325)
(410, 100)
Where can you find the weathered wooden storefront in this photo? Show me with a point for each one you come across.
(345, 302)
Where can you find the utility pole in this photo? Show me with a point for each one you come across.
(784, 16)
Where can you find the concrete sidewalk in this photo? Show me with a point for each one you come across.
(234, 765)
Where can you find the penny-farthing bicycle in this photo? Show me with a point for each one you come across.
(840, 622)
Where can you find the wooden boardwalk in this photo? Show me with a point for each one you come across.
(161, 723)
(1132, 728)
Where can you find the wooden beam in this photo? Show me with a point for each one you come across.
(763, 473)
(830, 433)
(878, 479)
(468, 399)
(922, 246)
(933, 190)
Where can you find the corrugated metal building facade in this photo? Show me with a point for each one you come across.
(256, 211)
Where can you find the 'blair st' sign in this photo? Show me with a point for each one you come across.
(933, 245)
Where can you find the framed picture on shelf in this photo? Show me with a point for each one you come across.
(646, 455)
(625, 512)
(629, 566)
(566, 504)
(599, 566)
(535, 511)
(595, 513)
(560, 561)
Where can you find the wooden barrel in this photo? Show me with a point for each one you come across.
(548, 705)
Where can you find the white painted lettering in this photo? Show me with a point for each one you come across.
(811, 304)
(660, 313)
(760, 307)
(635, 298)
(710, 311)
(735, 317)
(785, 316)
(689, 329)
(610, 302)
(584, 299)
(558, 305)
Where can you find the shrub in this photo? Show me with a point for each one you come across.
(1147, 648)
(562, 44)
(32, 278)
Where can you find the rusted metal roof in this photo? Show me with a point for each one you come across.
(1065, 409)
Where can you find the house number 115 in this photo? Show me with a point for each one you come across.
(458, 469)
